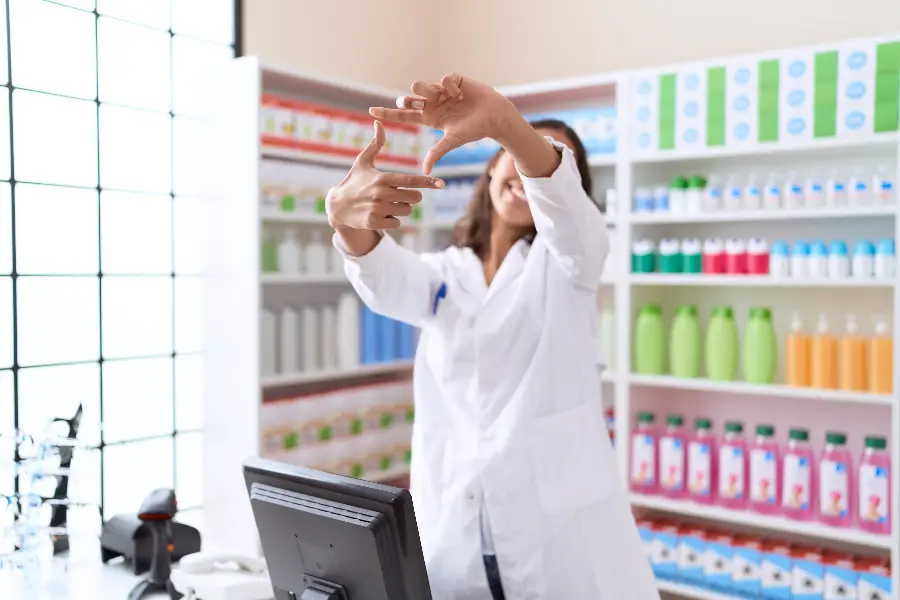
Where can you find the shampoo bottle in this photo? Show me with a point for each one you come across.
(316, 255)
(823, 369)
(290, 338)
(289, 253)
(797, 354)
(852, 356)
(881, 359)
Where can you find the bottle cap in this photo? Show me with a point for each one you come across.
(676, 420)
(651, 309)
(881, 326)
(713, 246)
(697, 182)
(723, 311)
(864, 247)
(679, 183)
(734, 427)
(822, 325)
(702, 423)
(691, 246)
(876, 442)
(796, 322)
(765, 430)
(800, 248)
(760, 312)
(818, 248)
(835, 438)
(669, 246)
(646, 417)
(852, 327)
(838, 248)
(886, 246)
(643, 246)
(799, 435)
(687, 309)
(780, 249)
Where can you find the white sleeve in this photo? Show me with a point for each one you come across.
(568, 221)
(395, 282)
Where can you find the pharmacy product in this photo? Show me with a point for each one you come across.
(836, 190)
(883, 186)
(793, 192)
(874, 578)
(712, 196)
(736, 257)
(702, 466)
(757, 256)
(661, 199)
(612, 202)
(329, 337)
(823, 366)
(643, 200)
(734, 194)
(289, 342)
(685, 343)
(807, 574)
(776, 570)
(765, 472)
(310, 324)
(643, 256)
(752, 194)
(645, 455)
(746, 567)
(779, 260)
(797, 354)
(838, 260)
(800, 260)
(885, 262)
(289, 253)
(836, 482)
(733, 469)
(649, 341)
(670, 256)
(269, 254)
(841, 578)
(348, 340)
(672, 457)
(721, 345)
(717, 561)
(881, 359)
(760, 347)
(813, 191)
(714, 256)
(316, 255)
(817, 263)
(691, 550)
(691, 256)
(798, 483)
(268, 342)
(678, 195)
(858, 189)
(694, 195)
(852, 371)
(874, 499)
(607, 326)
(335, 261)
(864, 260)
(772, 192)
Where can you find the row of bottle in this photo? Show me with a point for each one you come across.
(296, 188)
(775, 191)
(759, 476)
(817, 260)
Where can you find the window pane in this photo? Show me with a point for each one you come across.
(188, 392)
(47, 393)
(4, 58)
(188, 314)
(135, 150)
(56, 230)
(85, 485)
(6, 323)
(137, 316)
(136, 233)
(6, 404)
(187, 163)
(5, 230)
(188, 464)
(58, 320)
(53, 48)
(190, 233)
(137, 398)
(132, 471)
(82, 4)
(211, 20)
(134, 65)
(4, 133)
(72, 125)
(191, 61)
(147, 12)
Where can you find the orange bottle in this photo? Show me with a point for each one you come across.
(823, 367)
(852, 372)
(797, 354)
(881, 359)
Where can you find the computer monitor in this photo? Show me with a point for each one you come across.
(328, 537)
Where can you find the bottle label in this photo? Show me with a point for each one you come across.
(797, 482)
(699, 468)
(763, 476)
(671, 463)
(731, 472)
(873, 494)
(643, 461)
(833, 488)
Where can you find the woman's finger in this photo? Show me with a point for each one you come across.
(444, 145)
(397, 115)
(394, 196)
(452, 83)
(414, 102)
(399, 180)
(426, 90)
(400, 209)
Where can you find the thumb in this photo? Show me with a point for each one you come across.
(367, 156)
(447, 143)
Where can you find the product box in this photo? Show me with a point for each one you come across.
(841, 577)
(746, 567)
(807, 574)
(691, 553)
(717, 564)
(796, 96)
(645, 103)
(776, 571)
(664, 553)
(874, 580)
(690, 108)
(645, 529)
(856, 87)
(741, 102)
(595, 126)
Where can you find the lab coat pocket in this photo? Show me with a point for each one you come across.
(572, 467)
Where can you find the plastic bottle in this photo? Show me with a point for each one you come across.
(678, 194)
(858, 189)
(881, 359)
(329, 344)
(694, 195)
(691, 256)
(672, 457)
(823, 366)
(713, 256)
(874, 500)
(712, 197)
(645, 455)
(268, 343)
(612, 202)
(310, 333)
(793, 191)
(608, 338)
(685, 343)
(760, 347)
(649, 341)
(836, 482)
(289, 342)
(734, 194)
(736, 257)
(836, 190)
(813, 191)
(883, 186)
(661, 199)
(702, 466)
(885, 262)
(772, 192)
(752, 194)
(289, 253)
(838, 260)
(315, 255)
(733, 469)
(765, 472)
(852, 371)
(757, 256)
(643, 256)
(797, 355)
(721, 345)
(863, 260)
(643, 200)
(798, 482)
(779, 260)
(817, 263)
(269, 254)
(670, 256)
(800, 260)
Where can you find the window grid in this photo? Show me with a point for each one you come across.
(236, 47)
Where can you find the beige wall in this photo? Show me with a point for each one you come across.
(390, 42)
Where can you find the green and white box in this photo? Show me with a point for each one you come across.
(690, 112)
(741, 102)
(856, 88)
(795, 96)
(645, 104)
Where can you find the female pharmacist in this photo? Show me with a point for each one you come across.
(513, 475)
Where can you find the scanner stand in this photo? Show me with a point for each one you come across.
(319, 589)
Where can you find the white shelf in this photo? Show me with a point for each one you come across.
(275, 216)
(335, 374)
(300, 278)
(679, 279)
(806, 214)
(688, 591)
(759, 521)
(327, 159)
(459, 171)
(754, 389)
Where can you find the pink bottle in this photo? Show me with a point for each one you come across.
(701, 466)
(672, 457)
(645, 456)
(765, 472)
(875, 487)
(798, 479)
(733, 467)
(836, 482)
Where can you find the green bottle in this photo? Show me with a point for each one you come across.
(670, 260)
(649, 341)
(722, 345)
(685, 344)
(269, 255)
(643, 256)
(760, 347)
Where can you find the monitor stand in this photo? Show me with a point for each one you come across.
(319, 589)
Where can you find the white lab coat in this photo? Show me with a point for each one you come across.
(508, 409)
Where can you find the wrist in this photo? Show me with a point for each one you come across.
(511, 126)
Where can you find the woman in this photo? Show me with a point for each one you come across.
(513, 475)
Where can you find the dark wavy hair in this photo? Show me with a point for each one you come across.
(474, 229)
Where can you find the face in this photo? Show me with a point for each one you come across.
(507, 192)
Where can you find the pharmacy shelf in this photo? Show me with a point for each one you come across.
(273, 381)
(301, 278)
(602, 160)
(679, 279)
(748, 216)
(754, 389)
(459, 171)
(276, 216)
(328, 160)
(759, 521)
(389, 476)
(689, 591)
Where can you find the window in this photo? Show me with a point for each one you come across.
(99, 296)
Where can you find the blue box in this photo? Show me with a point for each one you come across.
(369, 334)
(807, 577)
(717, 563)
(746, 569)
(645, 531)
(841, 579)
(691, 555)
(664, 553)
(874, 582)
(776, 572)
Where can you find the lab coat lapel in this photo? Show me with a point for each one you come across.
(509, 269)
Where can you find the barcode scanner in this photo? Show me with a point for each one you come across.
(157, 512)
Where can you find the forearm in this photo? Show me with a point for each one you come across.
(534, 155)
(358, 242)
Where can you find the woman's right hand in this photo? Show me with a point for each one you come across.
(371, 199)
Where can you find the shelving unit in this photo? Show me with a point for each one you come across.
(683, 280)
(335, 374)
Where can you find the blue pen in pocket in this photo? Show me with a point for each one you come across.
(438, 296)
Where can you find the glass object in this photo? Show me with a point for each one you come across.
(152, 13)
(137, 316)
(132, 386)
(134, 65)
(135, 150)
(137, 469)
(189, 462)
(191, 61)
(4, 134)
(136, 233)
(5, 230)
(211, 20)
(188, 392)
(188, 152)
(72, 126)
(189, 233)
(46, 393)
(188, 314)
(6, 323)
(56, 230)
(55, 331)
(53, 49)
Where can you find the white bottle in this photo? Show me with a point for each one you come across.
(643, 200)
(607, 338)
(800, 260)
(863, 260)
(858, 191)
(779, 260)
(268, 343)
(883, 186)
(316, 255)
(310, 332)
(712, 195)
(772, 192)
(836, 190)
(885, 263)
(289, 253)
(289, 342)
(793, 191)
(329, 337)
(612, 202)
(838, 260)
(336, 261)
(752, 194)
(348, 331)
(733, 194)
(817, 263)
(661, 199)
(813, 191)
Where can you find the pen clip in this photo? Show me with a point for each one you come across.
(441, 293)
